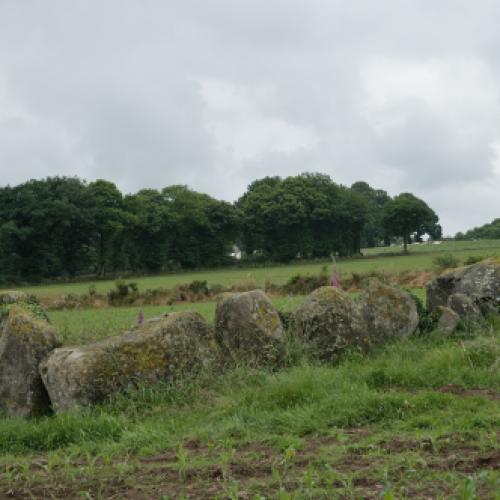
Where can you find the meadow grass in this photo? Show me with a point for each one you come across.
(415, 418)
(81, 326)
(421, 257)
(480, 247)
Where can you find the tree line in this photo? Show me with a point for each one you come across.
(64, 227)
(490, 231)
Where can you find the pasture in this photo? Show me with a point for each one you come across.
(421, 257)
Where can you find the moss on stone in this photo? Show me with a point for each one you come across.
(159, 350)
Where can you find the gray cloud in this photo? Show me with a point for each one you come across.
(401, 93)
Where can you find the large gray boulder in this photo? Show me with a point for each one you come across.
(25, 340)
(330, 321)
(161, 349)
(325, 322)
(480, 282)
(385, 313)
(248, 328)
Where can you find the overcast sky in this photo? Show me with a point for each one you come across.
(403, 94)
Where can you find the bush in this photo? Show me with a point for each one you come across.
(191, 292)
(446, 261)
(123, 293)
(303, 284)
(473, 259)
(198, 286)
(245, 285)
(215, 289)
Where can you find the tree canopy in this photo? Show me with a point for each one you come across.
(307, 215)
(407, 214)
(489, 231)
(63, 227)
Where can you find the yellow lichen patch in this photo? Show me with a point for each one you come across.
(268, 317)
(330, 294)
(140, 357)
(21, 322)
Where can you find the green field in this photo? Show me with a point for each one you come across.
(419, 418)
(82, 326)
(479, 247)
(418, 259)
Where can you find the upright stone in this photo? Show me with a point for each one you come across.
(324, 322)
(24, 341)
(248, 328)
(161, 349)
(385, 313)
(330, 321)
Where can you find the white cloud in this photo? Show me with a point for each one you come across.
(402, 94)
(243, 125)
(435, 120)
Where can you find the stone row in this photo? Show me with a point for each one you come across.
(38, 376)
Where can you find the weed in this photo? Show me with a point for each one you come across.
(446, 261)
(473, 259)
(182, 462)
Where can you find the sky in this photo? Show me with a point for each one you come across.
(403, 94)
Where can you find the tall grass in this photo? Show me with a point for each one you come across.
(392, 387)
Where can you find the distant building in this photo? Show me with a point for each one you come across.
(236, 253)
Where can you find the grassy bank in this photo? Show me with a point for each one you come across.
(418, 418)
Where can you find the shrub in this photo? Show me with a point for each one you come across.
(198, 286)
(446, 261)
(216, 289)
(473, 259)
(191, 292)
(244, 285)
(123, 293)
(300, 284)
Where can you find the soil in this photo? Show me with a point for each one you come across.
(253, 467)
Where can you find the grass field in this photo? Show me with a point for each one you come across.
(419, 418)
(420, 257)
(482, 247)
(82, 326)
